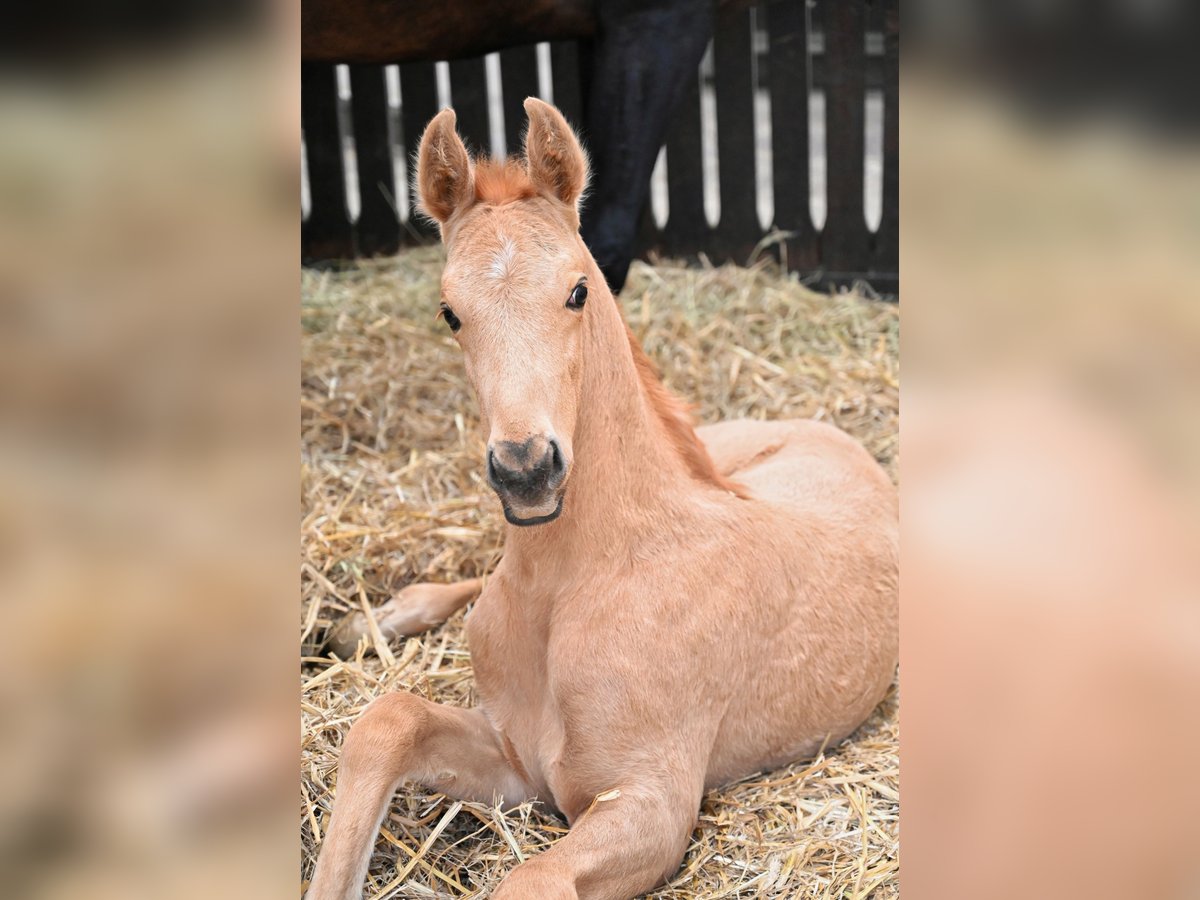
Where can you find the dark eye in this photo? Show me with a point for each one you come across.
(578, 296)
(451, 319)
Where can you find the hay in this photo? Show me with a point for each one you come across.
(392, 492)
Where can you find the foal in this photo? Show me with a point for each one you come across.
(674, 608)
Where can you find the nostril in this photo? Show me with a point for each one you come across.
(491, 467)
(556, 460)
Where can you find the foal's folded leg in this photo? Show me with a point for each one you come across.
(401, 737)
(619, 849)
(416, 608)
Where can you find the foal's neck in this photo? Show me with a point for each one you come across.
(629, 474)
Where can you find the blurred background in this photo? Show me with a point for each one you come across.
(147, 449)
(1050, 187)
(148, 346)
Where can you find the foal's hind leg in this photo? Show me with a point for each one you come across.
(739, 444)
(398, 738)
(416, 608)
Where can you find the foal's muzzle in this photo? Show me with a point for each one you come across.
(528, 477)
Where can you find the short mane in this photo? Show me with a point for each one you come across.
(502, 181)
(676, 418)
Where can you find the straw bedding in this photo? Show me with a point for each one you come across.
(392, 492)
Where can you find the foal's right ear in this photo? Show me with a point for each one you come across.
(445, 176)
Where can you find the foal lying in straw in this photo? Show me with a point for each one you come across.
(675, 608)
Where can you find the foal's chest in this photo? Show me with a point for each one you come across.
(508, 655)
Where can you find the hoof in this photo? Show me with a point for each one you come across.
(344, 639)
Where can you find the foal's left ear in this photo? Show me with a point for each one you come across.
(557, 164)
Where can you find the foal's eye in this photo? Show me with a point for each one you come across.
(578, 296)
(451, 319)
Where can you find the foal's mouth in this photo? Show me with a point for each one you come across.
(513, 519)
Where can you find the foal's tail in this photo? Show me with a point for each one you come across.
(416, 608)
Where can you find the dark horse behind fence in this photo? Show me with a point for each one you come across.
(637, 56)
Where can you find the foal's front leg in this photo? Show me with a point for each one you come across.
(401, 737)
(417, 608)
(619, 849)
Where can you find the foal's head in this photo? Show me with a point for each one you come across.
(514, 294)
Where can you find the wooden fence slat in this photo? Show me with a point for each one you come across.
(518, 80)
(886, 258)
(418, 104)
(874, 73)
(468, 96)
(686, 230)
(844, 240)
(733, 81)
(565, 66)
(787, 78)
(377, 231)
(325, 234)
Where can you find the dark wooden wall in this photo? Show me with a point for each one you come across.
(824, 48)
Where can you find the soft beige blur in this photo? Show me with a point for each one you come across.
(147, 363)
(1051, 446)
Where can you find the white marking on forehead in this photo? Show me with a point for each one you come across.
(503, 261)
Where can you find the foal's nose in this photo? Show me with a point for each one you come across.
(528, 470)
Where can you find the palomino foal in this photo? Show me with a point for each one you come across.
(674, 608)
